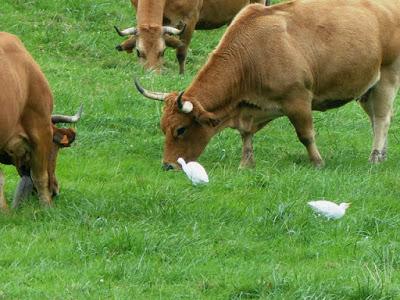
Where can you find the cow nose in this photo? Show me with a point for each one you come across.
(168, 166)
(55, 190)
(119, 48)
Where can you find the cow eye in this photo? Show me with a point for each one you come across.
(180, 131)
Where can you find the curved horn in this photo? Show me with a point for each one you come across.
(179, 100)
(184, 106)
(125, 32)
(67, 119)
(151, 95)
(173, 30)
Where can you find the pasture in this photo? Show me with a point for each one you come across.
(124, 229)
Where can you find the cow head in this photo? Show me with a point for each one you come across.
(62, 138)
(150, 43)
(186, 125)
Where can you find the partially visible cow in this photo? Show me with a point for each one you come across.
(29, 139)
(287, 60)
(157, 23)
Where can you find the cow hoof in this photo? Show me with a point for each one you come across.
(246, 165)
(318, 164)
(377, 157)
(47, 204)
(3, 205)
(5, 210)
(46, 200)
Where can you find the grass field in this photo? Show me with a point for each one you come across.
(124, 229)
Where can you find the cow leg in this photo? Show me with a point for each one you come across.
(40, 179)
(181, 54)
(378, 104)
(300, 115)
(39, 168)
(3, 202)
(247, 151)
(186, 37)
(24, 189)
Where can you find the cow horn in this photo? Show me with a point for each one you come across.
(184, 106)
(125, 32)
(151, 95)
(173, 30)
(67, 119)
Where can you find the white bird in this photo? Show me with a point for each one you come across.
(329, 209)
(196, 173)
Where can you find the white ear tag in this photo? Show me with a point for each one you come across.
(187, 107)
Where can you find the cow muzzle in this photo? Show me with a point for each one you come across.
(55, 191)
(170, 166)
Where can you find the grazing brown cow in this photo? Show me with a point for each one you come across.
(287, 60)
(29, 139)
(150, 37)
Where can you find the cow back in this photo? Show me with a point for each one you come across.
(25, 94)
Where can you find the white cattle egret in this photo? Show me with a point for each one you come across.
(329, 209)
(194, 171)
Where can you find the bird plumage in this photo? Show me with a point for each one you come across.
(329, 209)
(194, 171)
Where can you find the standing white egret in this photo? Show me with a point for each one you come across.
(329, 209)
(194, 171)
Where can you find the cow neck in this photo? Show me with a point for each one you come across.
(150, 12)
(217, 87)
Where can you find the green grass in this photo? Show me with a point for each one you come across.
(123, 229)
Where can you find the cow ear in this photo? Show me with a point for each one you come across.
(197, 110)
(173, 42)
(207, 118)
(64, 137)
(127, 45)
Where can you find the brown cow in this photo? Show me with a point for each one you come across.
(150, 37)
(287, 60)
(29, 139)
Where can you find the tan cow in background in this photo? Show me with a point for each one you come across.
(157, 23)
(29, 139)
(287, 60)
